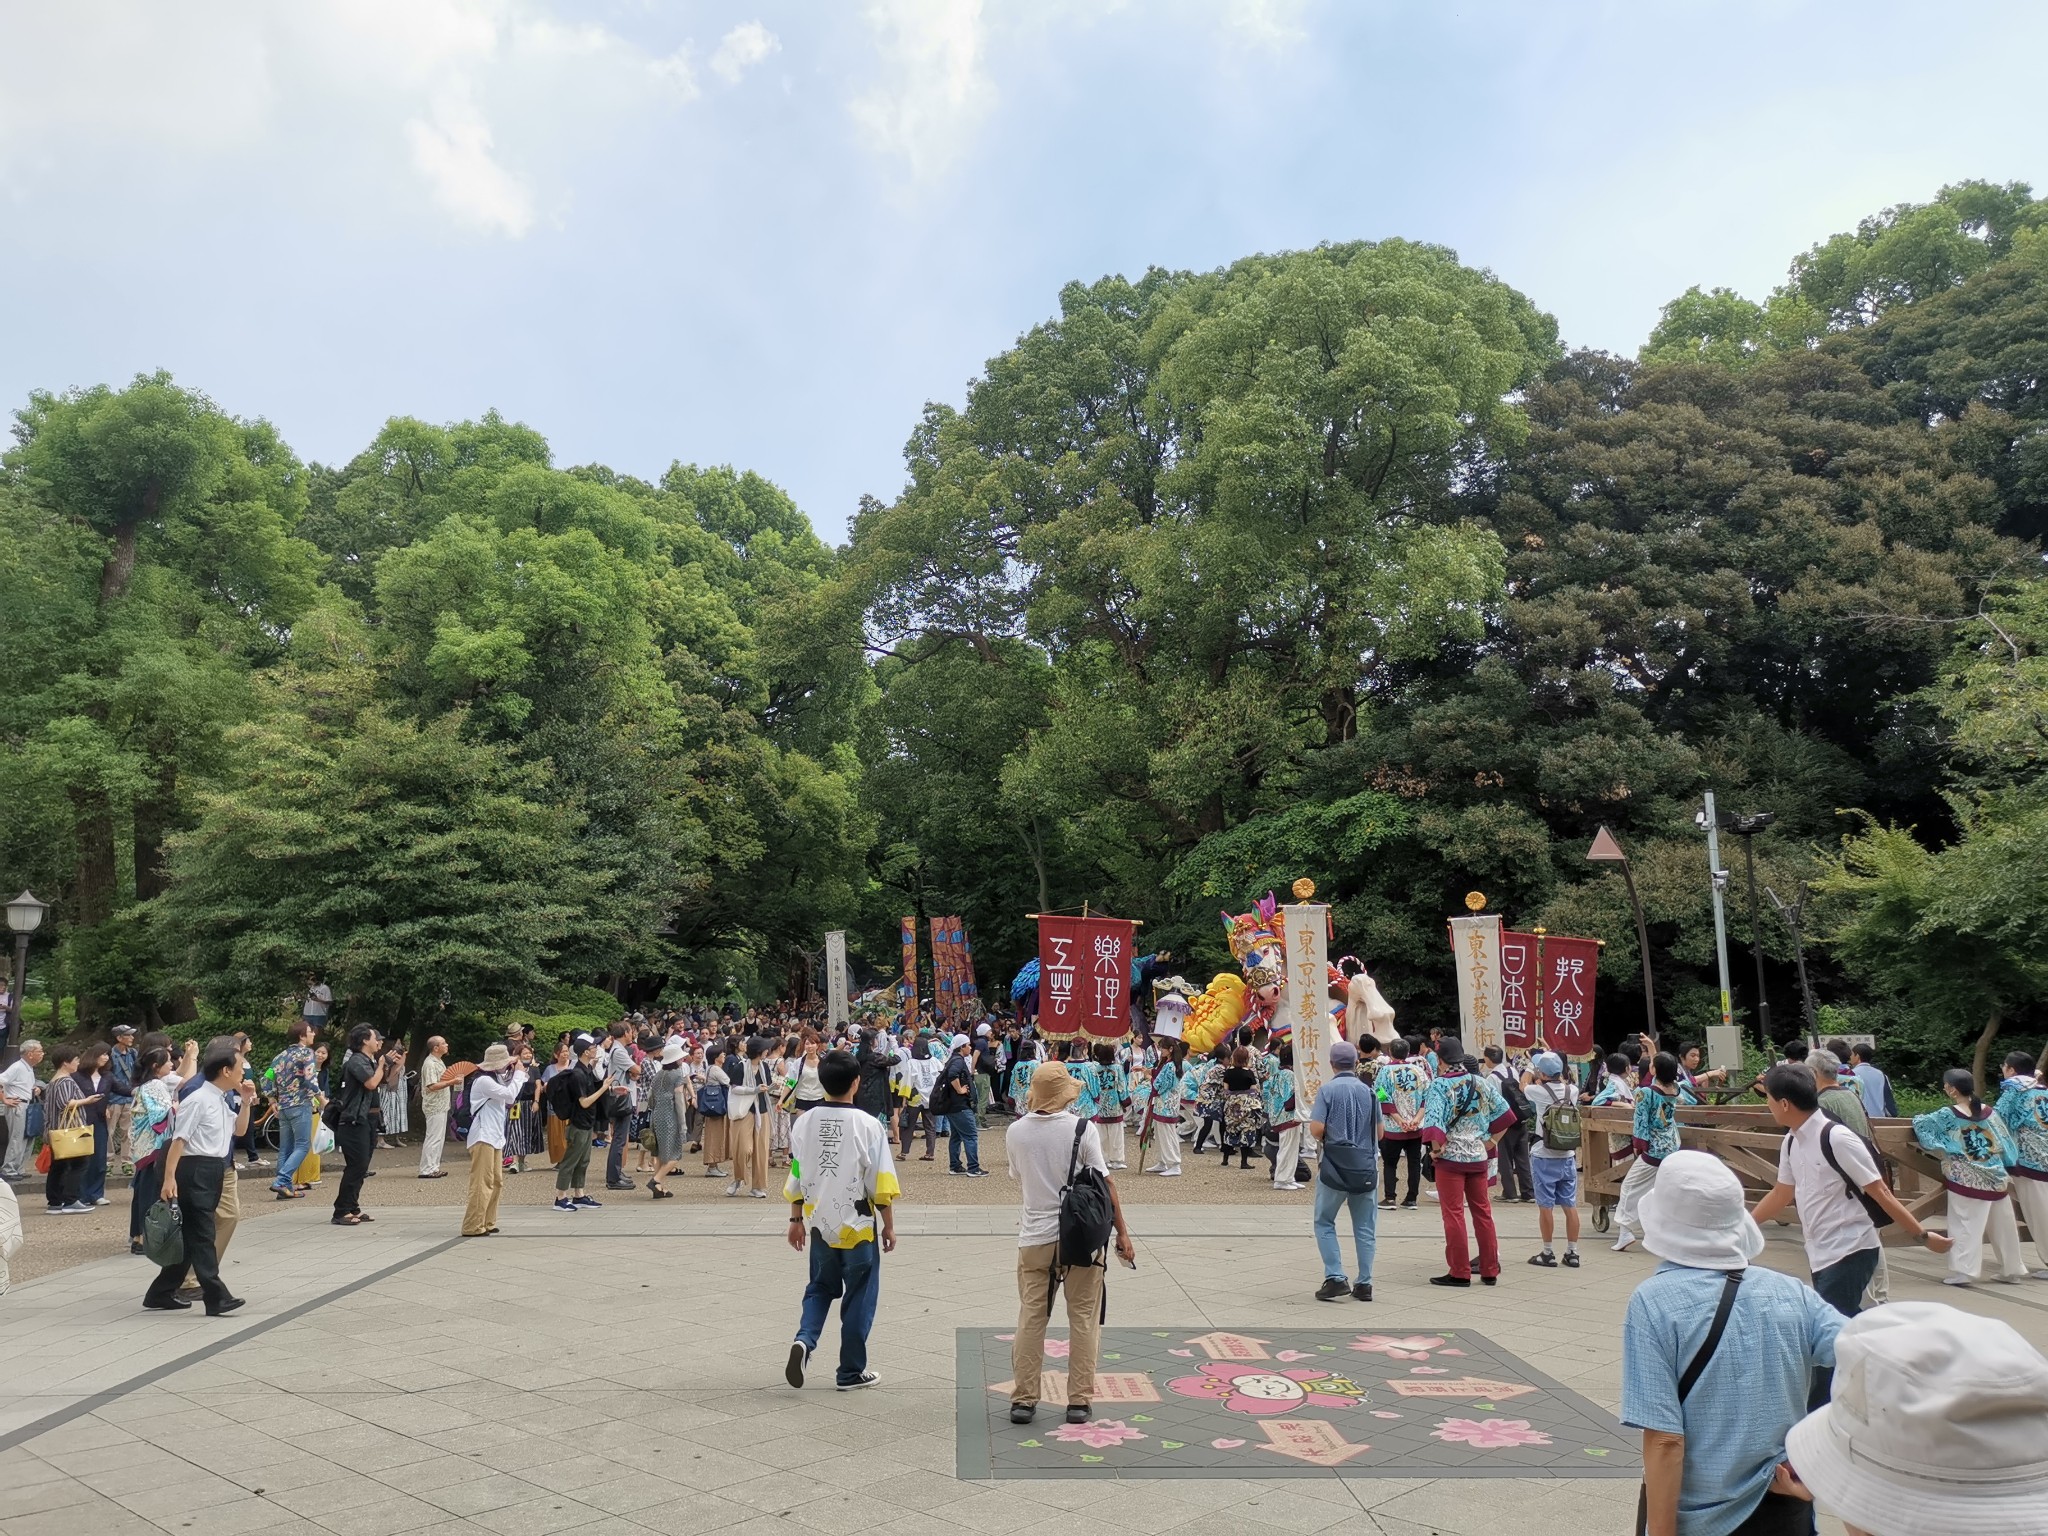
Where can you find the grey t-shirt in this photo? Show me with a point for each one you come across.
(1543, 1097)
(619, 1061)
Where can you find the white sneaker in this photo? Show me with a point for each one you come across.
(2011, 1279)
(1290, 1184)
(1624, 1240)
(103, 1200)
(1955, 1280)
(1174, 1173)
(2041, 1274)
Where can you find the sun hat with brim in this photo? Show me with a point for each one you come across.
(672, 1052)
(1694, 1215)
(496, 1057)
(1939, 1423)
(1052, 1090)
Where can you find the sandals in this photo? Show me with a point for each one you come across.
(350, 1220)
(660, 1191)
(286, 1194)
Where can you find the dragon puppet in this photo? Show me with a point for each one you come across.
(1251, 998)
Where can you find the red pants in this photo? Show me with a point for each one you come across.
(1454, 1187)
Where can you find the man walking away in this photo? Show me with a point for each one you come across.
(492, 1089)
(620, 1071)
(1517, 1180)
(1462, 1117)
(1403, 1089)
(1875, 1087)
(1554, 1157)
(1838, 1100)
(1046, 1149)
(953, 1102)
(199, 1159)
(1346, 1120)
(2023, 1106)
(435, 1102)
(840, 1176)
(1716, 1356)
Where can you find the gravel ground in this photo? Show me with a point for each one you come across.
(52, 1243)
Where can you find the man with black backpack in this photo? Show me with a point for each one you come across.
(1070, 1211)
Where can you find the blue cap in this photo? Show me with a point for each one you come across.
(1548, 1064)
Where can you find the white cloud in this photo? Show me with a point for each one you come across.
(934, 88)
(452, 153)
(1270, 23)
(741, 49)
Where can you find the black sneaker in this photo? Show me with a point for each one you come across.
(1332, 1290)
(865, 1379)
(1023, 1413)
(1451, 1280)
(1361, 1292)
(1571, 1259)
(977, 1173)
(799, 1356)
(1079, 1413)
(587, 1203)
(1489, 1279)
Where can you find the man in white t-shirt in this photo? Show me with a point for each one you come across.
(1041, 1149)
(1822, 1165)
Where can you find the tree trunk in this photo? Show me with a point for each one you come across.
(1980, 1059)
(92, 819)
(155, 815)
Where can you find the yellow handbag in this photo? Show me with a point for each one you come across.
(70, 1136)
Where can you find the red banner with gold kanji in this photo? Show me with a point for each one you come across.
(1570, 968)
(1084, 977)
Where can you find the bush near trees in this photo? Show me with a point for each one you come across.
(1333, 562)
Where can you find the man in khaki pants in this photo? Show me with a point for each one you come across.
(435, 1102)
(1040, 1148)
(492, 1088)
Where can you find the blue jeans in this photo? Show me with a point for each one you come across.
(94, 1187)
(1365, 1219)
(963, 1136)
(853, 1278)
(294, 1143)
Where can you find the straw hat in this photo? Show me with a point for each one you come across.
(1694, 1215)
(1052, 1089)
(1939, 1423)
(496, 1057)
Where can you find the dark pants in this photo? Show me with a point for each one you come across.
(199, 1182)
(617, 1133)
(1391, 1153)
(1841, 1285)
(1516, 1181)
(94, 1188)
(853, 1278)
(963, 1138)
(143, 1191)
(354, 1143)
(1778, 1515)
(67, 1177)
(915, 1115)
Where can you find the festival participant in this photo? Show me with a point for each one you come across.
(1925, 1432)
(1617, 1083)
(1209, 1097)
(841, 1178)
(1463, 1117)
(926, 1061)
(1554, 1156)
(2023, 1106)
(1283, 1116)
(1110, 1097)
(1162, 1110)
(1244, 1115)
(1403, 1090)
(1976, 1150)
(1654, 1138)
(1716, 1358)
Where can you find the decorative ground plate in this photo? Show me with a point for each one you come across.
(1286, 1402)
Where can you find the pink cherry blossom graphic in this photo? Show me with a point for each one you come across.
(1458, 1352)
(1226, 1445)
(1260, 1389)
(1097, 1435)
(1185, 1354)
(1006, 1338)
(1427, 1370)
(1490, 1434)
(1291, 1355)
(1056, 1349)
(1382, 1413)
(1414, 1346)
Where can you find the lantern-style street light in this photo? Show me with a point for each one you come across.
(1606, 850)
(24, 917)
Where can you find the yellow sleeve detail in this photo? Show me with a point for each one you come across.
(886, 1188)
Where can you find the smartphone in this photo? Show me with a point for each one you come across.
(1130, 1263)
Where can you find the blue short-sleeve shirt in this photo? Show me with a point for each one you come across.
(1348, 1111)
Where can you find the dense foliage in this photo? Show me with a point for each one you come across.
(1332, 563)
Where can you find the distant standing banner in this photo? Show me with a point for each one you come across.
(1305, 929)
(1521, 959)
(1570, 968)
(908, 986)
(835, 976)
(1475, 946)
(1084, 970)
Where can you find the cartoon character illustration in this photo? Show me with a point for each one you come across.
(1259, 1389)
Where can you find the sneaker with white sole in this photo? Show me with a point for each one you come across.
(568, 1205)
(1955, 1280)
(865, 1379)
(1624, 1240)
(799, 1357)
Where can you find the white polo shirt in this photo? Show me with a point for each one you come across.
(205, 1123)
(1832, 1221)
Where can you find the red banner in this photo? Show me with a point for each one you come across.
(908, 986)
(1570, 967)
(1084, 977)
(1520, 959)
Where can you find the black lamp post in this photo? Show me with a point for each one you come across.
(24, 917)
(1606, 850)
(1746, 828)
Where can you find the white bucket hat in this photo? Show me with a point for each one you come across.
(1695, 1216)
(1939, 1423)
(672, 1052)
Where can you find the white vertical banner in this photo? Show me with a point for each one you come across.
(1305, 1001)
(835, 976)
(1475, 948)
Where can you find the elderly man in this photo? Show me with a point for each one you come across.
(18, 1086)
(436, 1101)
(1345, 1120)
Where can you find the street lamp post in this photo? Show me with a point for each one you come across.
(1708, 822)
(1606, 850)
(24, 917)
(1746, 828)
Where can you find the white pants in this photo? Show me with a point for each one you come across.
(1967, 1223)
(1112, 1134)
(1290, 1154)
(1633, 1188)
(437, 1138)
(17, 1140)
(1166, 1143)
(2033, 1198)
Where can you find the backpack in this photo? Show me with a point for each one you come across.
(1561, 1132)
(1518, 1101)
(460, 1111)
(1879, 1216)
(1087, 1212)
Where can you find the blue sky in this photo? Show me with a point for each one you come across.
(765, 234)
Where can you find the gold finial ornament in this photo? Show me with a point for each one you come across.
(1303, 889)
(1475, 901)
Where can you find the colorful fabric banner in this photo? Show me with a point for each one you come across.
(835, 977)
(908, 985)
(1305, 998)
(1521, 960)
(944, 1001)
(1475, 944)
(1570, 969)
(1084, 970)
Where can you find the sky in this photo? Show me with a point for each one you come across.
(766, 234)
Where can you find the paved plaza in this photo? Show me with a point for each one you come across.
(620, 1372)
